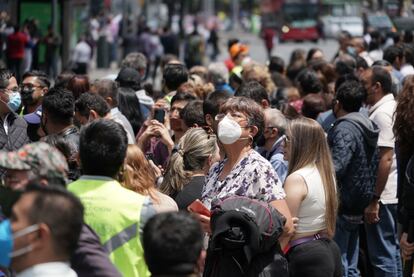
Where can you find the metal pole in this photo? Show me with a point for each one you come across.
(54, 15)
(235, 7)
(208, 7)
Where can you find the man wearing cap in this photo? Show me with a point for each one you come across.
(43, 164)
(13, 132)
(238, 53)
(36, 162)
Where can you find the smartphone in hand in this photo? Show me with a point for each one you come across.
(159, 115)
(198, 207)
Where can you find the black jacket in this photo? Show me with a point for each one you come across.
(353, 142)
(408, 195)
(15, 137)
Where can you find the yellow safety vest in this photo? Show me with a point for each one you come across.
(114, 213)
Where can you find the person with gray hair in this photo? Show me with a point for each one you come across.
(270, 144)
(108, 90)
(218, 75)
(137, 61)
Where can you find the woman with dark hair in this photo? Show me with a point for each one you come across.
(129, 106)
(78, 84)
(314, 54)
(289, 111)
(297, 56)
(404, 137)
(63, 78)
(313, 105)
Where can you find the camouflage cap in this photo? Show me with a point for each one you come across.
(41, 158)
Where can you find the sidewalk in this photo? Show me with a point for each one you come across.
(258, 52)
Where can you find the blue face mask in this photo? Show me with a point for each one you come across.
(351, 51)
(6, 242)
(14, 101)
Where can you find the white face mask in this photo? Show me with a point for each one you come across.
(229, 131)
(21, 233)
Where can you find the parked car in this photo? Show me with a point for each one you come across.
(300, 30)
(381, 23)
(404, 23)
(333, 25)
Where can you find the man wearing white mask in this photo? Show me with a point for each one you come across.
(42, 233)
(13, 130)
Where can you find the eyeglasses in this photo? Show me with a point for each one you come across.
(236, 116)
(29, 86)
(13, 90)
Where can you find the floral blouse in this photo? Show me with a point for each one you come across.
(253, 177)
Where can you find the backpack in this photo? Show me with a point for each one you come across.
(244, 239)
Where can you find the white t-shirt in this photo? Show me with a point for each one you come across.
(382, 114)
(117, 116)
(82, 53)
(407, 69)
(312, 210)
(50, 269)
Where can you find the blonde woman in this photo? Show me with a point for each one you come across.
(139, 176)
(311, 197)
(184, 177)
(259, 73)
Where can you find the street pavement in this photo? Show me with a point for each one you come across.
(257, 50)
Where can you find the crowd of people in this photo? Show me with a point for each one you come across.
(112, 177)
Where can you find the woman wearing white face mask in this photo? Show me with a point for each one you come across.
(243, 172)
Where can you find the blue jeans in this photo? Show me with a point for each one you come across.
(347, 238)
(383, 245)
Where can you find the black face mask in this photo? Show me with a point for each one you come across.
(7, 199)
(261, 140)
(32, 132)
(27, 96)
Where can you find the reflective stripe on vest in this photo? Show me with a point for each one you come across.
(121, 238)
(114, 213)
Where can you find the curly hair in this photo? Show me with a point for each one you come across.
(404, 114)
(259, 73)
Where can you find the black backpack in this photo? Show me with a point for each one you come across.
(244, 239)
